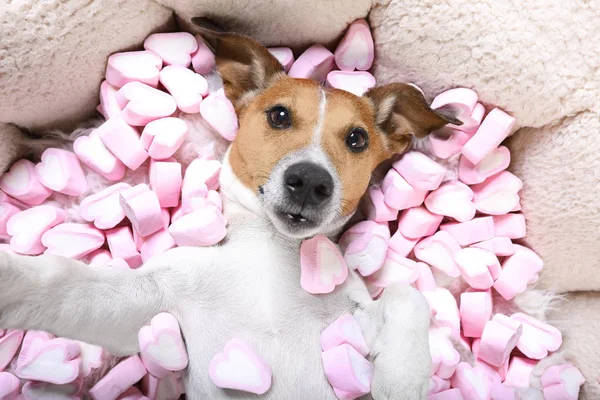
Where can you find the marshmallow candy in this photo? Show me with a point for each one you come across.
(473, 231)
(538, 338)
(498, 194)
(165, 181)
(60, 171)
(518, 271)
(452, 199)
(27, 227)
(163, 137)
(399, 194)
(470, 384)
(43, 390)
(439, 251)
(500, 246)
(109, 107)
(133, 66)
(365, 246)
(143, 104)
(444, 357)
(121, 245)
(161, 345)
(493, 130)
(348, 372)
(450, 394)
(562, 382)
(322, 266)
(498, 339)
(174, 48)
(93, 153)
(375, 207)
(475, 312)
(420, 171)
(497, 161)
(6, 211)
(186, 87)
(401, 244)
(395, 269)
(284, 55)
(478, 267)
(218, 111)
(21, 183)
(344, 330)
(72, 240)
(9, 386)
(123, 141)
(202, 227)
(519, 372)
(463, 101)
(512, 226)
(10, 342)
(356, 49)
(355, 82)
(118, 379)
(417, 222)
(55, 361)
(103, 208)
(239, 367)
(142, 207)
(203, 59)
(425, 281)
(444, 310)
(315, 63)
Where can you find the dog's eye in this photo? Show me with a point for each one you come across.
(279, 117)
(357, 140)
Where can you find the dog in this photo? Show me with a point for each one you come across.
(301, 162)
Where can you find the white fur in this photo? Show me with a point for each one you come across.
(248, 287)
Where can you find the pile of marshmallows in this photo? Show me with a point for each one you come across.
(460, 230)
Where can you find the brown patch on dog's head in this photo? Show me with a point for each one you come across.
(306, 151)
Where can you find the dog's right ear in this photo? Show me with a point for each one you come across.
(245, 65)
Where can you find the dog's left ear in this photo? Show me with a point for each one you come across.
(401, 112)
(245, 65)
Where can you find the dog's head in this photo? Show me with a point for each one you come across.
(308, 152)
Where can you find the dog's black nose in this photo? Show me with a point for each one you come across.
(308, 184)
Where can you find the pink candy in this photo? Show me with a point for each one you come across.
(497, 161)
(27, 227)
(163, 137)
(439, 251)
(473, 231)
(284, 55)
(166, 180)
(202, 227)
(348, 372)
(399, 194)
(355, 82)
(186, 87)
(562, 382)
(123, 141)
(174, 48)
(365, 247)
(494, 129)
(519, 372)
(22, 184)
(478, 267)
(344, 330)
(444, 310)
(518, 271)
(475, 312)
(72, 240)
(134, 66)
(452, 199)
(395, 269)
(498, 194)
(444, 357)
(538, 338)
(60, 171)
(6, 211)
(118, 379)
(142, 207)
(510, 225)
(500, 336)
(322, 265)
(9, 386)
(218, 111)
(121, 245)
(239, 367)
(418, 222)
(161, 345)
(108, 101)
(142, 104)
(10, 342)
(375, 207)
(54, 361)
(356, 49)
(93, 153)
(103, 208)
(315, 63)
(420, 171)
(203, 59)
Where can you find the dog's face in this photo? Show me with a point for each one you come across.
(308, 152)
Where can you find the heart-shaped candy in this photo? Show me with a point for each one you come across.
(45, 390)
(498, 339)
(133, 66)
(562, 382)
(6, 211)
(356, 49)
(123, 141)
(452, 199)
(9, 344)
(538, 338)
(498, 194)
(518, 271)
(462, 101)
(186, 87)
(202, 227)
(418, 222)
(425, 281)
(60, 171)
(399, 194)
(121, 245)
(401, 244)
(284, 55)
(91, 356)
(161, 345)
(473, 231)
(496, 127)
(165, 181)
(168, 387)
(203, 59)
(103, 208)
(395, 269)
(174, 48)
(500, 246)
(444, 357)
(120, 378)
(367, 249)
(512, 226)
(55, 361)
(322, 265)
(345, 329)
(27, 227)
(437, 384)
(439, 251)
(444, 311)
(21, 183)
(108, 100)
(420, 171)
(142, 104)
(9, 386)
(201, 171)
(497, 161)
(217, 110)
(446, 148)
(470, 384)
(478, 267)
(133, 393)
(239, 367)
(519, 372)
(355, 82)
(475, 312)
(163, 137)
(142, 208)
(93, 153)
(72, 240)
(376, 208)
(349, 373)
(315, 63)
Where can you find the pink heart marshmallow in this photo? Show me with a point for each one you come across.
(538, 338)
(186, 87)
(161, 345)
(21, 183)
(315, 63)
(322, 266)
(27, 227)
(120, 378)
(349, 373)
(365, 246)
(217, 110)
(72, 240)
(93, 153)
(133, 66)
(478, 267)
(123, 141)
(143, 104)
(355, 82)
(284, 55)
(395, 269)
(452, 199)
(174, 48)
(439, 251)
(496, 162)
(344, 330)
(60, 171)
(518, 271)
(356, 49)
(103, 208)
(163, 137)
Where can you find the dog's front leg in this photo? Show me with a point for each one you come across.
(396, 329)
(103, 306)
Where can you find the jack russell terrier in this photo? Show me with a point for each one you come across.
(302, 160)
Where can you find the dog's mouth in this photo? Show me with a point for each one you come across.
(295, 219)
